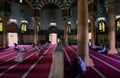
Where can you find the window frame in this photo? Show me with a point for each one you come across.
(22, 28)
(1, 27)
(101, 26)
(117, 28)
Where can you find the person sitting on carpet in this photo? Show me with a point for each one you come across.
(33, 44)
(16, 47)
(19, 58)
(36, 48)
(78, 68)
(41, 52)
(23, 49)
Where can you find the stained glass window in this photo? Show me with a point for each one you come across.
(101, 26)
(118, 25)
(1, 26)
(23, 27)
(69, 29)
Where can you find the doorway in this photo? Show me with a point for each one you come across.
(53, 38)
(12, 38)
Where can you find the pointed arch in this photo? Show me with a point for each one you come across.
(57, 2)
(23, 27)
(69, 2)
(118, 25)
(12, 27)
(1, 26)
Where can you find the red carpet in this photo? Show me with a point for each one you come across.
(33, 66)
(106, 65)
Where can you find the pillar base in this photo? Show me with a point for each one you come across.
(4, 46)
(66, 44)
(112, 51)
(88, 61)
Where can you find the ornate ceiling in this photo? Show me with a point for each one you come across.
(62, 4)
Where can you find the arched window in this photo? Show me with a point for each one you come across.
(69, 29)
(118, 24)
(53, 29)
(1, 26)
(23, 27)
(101, 26)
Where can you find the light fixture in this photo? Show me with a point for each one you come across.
(20, 1)
(88, 20)
(13, 20)
(52, 24)
(69, 22)
(101, 18)
(118, 16)
(24, 21)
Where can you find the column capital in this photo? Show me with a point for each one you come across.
(36, 13)
(111, 7)
(65, 14)
(93, 13)
(92, 18)
(4, 18)
(64, 18)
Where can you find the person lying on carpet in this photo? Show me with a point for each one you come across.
(78, 68)
(99, 49)
(102, 50)
(94, 47)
